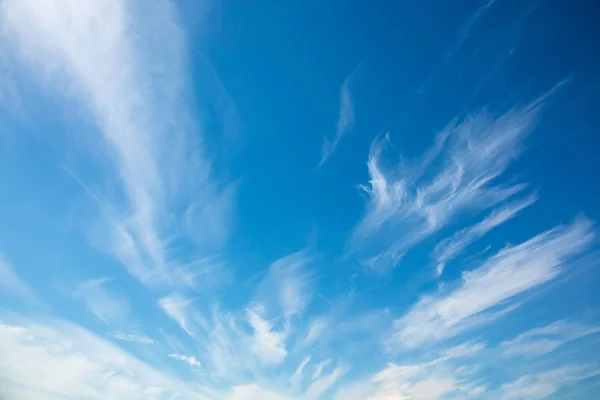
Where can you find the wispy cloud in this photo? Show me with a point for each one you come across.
(345, 120)
(267, 343)
(486, 292)
(178, 308)
(544, 384)
(132, 337)
(11, 283)
(543, 340)
(190, 360)
(315, 330)
(107, 306)
(129, 70)
(239, 344)
(451, 247)
(248, 345)
(287, 286)
(427, 380)
(460, 173)
(64, 360)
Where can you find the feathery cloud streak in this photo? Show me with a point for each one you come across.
(486, 292)
(544, 384)
(239, 345)
(461, 172)
(539, 341)
(64, 360)
(108, 307)
(128, 69)
(345, 120)
(450, 247)
(131, 337)
(429, 380)
(191, 360)
(11, 284)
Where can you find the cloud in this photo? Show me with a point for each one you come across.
(460, 173)
(130, 337)
(128, 69)
(58, 358)
(450, 247)
(316, 329)
(246, 344)
(543, 340)
(108, 307)
(254, 391)
(297, 376)
(487, 292)
(11, 284)
(287, 286)
(178, 308)
(428, 380)
(545, 384)
(345, 120)
(191, 360)
(267, 343)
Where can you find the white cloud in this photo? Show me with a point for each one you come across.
(287, 288)
(510, 272)
(254, 391)
(57, 358)
(323, 384)
(316, 329)
(131, 337)
(128, 69)
(191, 360)
(267, 342)
(543, 340)
(423, 381)
(345, 120)
(545, 384)
(297, 376)
(450, 247)
(178, 308)
(11, 284)
(108, 307)
(460, 173)
(319, 368)
(468, 349)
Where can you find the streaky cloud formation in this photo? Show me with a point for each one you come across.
(428, 380)
(60, 359)
(460, 173)
(108, 307)
(345, 121)
(547, 383)
(236, 346)
(191, 360)
(132, 337)
(489, 290)
(543, 340)
(143, 259)
(128, 69)
(12, 285)
(450, 247)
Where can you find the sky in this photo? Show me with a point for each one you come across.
(310, 200)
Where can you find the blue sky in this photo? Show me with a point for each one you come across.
(346, 200)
